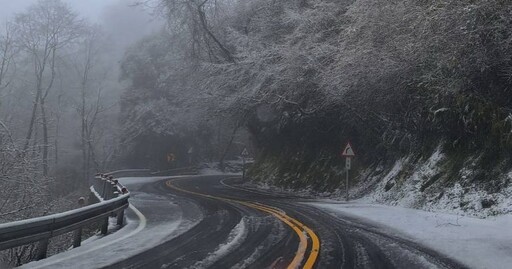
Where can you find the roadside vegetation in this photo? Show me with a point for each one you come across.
(400, 79)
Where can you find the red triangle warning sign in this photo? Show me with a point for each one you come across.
(348, 151)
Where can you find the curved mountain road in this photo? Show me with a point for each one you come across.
(246, 228)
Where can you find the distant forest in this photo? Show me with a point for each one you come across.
(304, 76)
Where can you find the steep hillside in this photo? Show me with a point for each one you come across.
(421, 88)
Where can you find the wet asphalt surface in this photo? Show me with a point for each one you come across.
(265, 241)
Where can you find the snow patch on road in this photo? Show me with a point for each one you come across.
(478, 243)
(235, 239)
(278, 232)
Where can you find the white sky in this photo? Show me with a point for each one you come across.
(92, 9)
(124, 23)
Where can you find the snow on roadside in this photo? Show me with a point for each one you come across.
(409, 193)
(427, 185)
(478, 243)
(98, 196)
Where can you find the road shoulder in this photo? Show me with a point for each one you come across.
(477, 243)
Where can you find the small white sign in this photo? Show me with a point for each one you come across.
(348, 151)
(348, 163)
(245, 153)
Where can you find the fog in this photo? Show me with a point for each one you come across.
(60, 95)
(421, 89)
(90, 9)
(125, 21)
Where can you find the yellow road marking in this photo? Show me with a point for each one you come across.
(279, 214)
(303, 241)
(314, 238)
(315, 250)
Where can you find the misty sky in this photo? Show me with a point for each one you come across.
(124, 23)
(93, 9)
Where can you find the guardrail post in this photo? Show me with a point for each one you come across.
(120, 214)
(97, 184)
(113, 189)
(120, 217)
(104, 226)
(106, 194)
(104, 188)
(42, 249)
(77, 235)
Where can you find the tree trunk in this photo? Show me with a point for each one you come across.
(84, 150)
(226, 150)
(32, 122)
(85, 154)
(45, 138)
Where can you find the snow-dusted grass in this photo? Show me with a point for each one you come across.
(478, 243)
(406, 191)
(432, 183)
(427, 184)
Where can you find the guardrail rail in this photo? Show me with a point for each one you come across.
(190, 170)
(112, 201)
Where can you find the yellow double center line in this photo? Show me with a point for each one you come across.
(300, 229)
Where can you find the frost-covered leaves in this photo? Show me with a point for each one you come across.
(23, 190)
(384, 67)
(46, 25)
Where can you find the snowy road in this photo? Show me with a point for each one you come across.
(243, 228)
(212, 222)
(229, 234)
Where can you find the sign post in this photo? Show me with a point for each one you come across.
(245, 153)
(190, 152)
(170, 159)
(348, 153)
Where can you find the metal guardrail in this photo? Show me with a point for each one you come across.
(112, 202)
(191, 170)
(130, 173)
